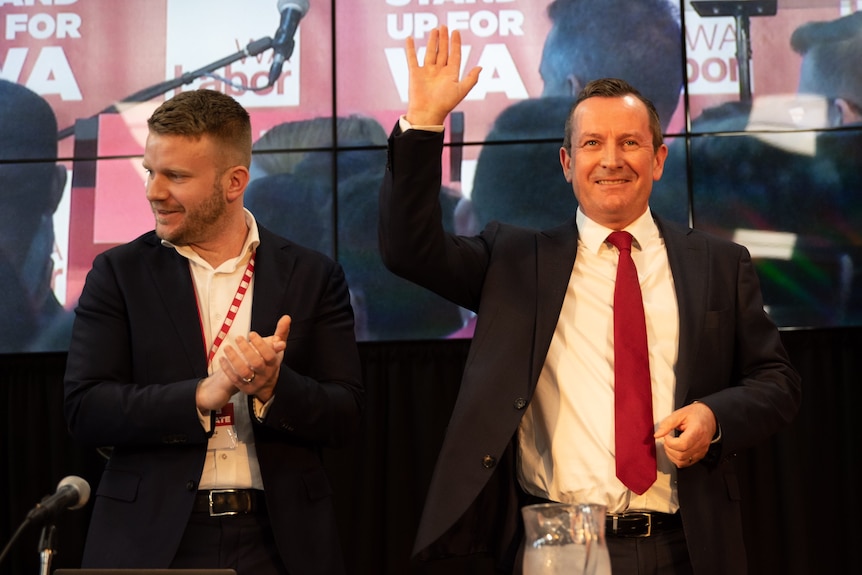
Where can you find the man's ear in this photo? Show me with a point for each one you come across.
(566, 163)
(237, 179)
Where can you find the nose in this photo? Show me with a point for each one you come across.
(156, 188)
(611, 157)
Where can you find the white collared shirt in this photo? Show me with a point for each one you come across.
(215, 289)
(566, 437)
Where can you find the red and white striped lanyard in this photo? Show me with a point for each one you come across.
(231, 312)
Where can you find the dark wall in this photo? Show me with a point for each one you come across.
(799, 490)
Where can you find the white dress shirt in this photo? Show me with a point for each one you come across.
(236, 466)
(566, 437)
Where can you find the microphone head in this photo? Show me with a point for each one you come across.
(80, 485)
(300, 6)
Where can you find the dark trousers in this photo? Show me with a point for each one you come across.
(660, 554)
(241, 542)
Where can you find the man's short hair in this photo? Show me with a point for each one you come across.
(614, 88)
(199, 113)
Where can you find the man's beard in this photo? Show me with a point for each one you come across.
(199, 223)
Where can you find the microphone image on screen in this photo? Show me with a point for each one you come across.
(292, 12)
(73, 492)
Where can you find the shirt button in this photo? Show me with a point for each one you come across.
(520, 403)
(224, 455)
(488, 462)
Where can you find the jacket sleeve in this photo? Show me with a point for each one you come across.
(413, 242)
(764, 391)
(126, 383)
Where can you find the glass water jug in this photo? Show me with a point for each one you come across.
(564, 539)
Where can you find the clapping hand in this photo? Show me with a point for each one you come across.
(251, 365)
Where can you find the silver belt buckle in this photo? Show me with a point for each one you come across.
(210, 498)
(648, 524)
(615, 519)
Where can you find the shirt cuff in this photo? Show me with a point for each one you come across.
(261, 408)
(717, 437)
(206, 420)
(405, 125)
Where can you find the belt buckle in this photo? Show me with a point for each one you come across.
(210, 499)
(615, 524)
(648, 524)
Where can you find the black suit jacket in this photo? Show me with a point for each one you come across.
(134, 362)
(730, 358)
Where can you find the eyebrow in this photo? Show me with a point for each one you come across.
(623, 136)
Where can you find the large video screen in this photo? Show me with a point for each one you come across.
(761, 105)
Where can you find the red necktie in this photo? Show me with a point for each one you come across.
(635, 445)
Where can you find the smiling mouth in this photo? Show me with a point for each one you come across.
(163, 212)
(611, 182)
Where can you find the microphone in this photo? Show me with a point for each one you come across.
(73, 492)
(292, 12)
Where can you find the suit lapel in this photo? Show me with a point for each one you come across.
(555, 255)
(687, 257)
(173, 282)
(174, 286)
(272, 276)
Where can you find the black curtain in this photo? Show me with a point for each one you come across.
(800, 495)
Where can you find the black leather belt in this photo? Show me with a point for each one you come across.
(635, 524)
(219, 502)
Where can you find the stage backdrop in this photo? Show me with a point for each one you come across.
(767, 168)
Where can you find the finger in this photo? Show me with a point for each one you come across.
(263, 352)
(431, 47)
(673, 454)
(667, 425)
(282, 329)
(239, 364)
(471, 79)
(664, 429)
(454, 56)
(679, 444)
(248, 348)
(678, 458)
(412, 60)
(443, 48)
(229, 372)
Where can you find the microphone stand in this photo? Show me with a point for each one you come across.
(742, 11)
(46, 548)
(252, 49)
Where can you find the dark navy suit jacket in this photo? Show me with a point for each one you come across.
(134, 362)
(730, 357)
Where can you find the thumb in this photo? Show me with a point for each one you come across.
(283, 328)
(470, 79)
(667, 425)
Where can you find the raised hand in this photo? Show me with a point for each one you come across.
(436, 87)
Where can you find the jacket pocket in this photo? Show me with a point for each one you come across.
(119, 484)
